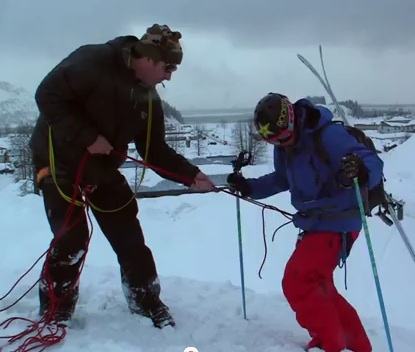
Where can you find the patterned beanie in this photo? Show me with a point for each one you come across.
(160, 43)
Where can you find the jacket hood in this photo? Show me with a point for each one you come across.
(122, 45)
(121, 42)
(325, 115)
(305, 132)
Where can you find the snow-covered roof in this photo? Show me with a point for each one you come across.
(399, 119)
(399, 124)
(393, 124)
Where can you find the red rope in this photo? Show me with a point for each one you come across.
(48, 331)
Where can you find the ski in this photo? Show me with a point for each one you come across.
(391, 201)
(325, 84)
(398, 225)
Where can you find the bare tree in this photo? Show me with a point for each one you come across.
(199, 135)
(243, 136)
(5, 129)
(224, 125)
(138, 178)
(176, 143)
(19, 145)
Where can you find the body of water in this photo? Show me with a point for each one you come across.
(245, 114)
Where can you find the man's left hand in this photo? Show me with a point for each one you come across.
(352, 166)
(202, 183)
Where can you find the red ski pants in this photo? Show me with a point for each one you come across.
(309, 288)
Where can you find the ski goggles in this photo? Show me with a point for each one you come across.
(281, 138)
(285, 136)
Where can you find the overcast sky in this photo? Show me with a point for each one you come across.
(235, 50)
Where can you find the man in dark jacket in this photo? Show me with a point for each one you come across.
(328, 212)
(94, 102)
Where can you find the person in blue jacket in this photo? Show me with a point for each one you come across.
(327, 211)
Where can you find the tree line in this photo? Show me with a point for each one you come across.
(357, 110)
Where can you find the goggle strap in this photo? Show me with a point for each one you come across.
(291, 116)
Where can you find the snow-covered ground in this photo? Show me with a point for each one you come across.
(4, 142)
(194, 240)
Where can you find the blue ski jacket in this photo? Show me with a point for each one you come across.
(313, 184)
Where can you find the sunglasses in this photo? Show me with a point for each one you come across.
(170, 68)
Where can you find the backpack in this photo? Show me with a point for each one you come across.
(376, 195)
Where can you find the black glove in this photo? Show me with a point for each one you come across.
(238, 183)
(352, 166)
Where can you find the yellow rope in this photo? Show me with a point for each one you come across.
(81, 204)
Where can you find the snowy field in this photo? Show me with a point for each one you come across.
(194, 241)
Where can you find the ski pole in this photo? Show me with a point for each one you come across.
(373, 262)
(242, 160)
(241, 258)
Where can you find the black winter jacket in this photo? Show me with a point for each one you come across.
(93, 92)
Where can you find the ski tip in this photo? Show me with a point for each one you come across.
(301, 57)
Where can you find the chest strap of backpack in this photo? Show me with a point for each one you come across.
(321, 215)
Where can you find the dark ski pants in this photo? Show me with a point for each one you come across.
(121, 228)
(309, 288)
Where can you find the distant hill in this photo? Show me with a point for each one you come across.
(18, 107)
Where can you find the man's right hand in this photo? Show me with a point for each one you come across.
(238, 183)
(100, 146)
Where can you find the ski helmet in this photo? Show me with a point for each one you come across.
(274, 119)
